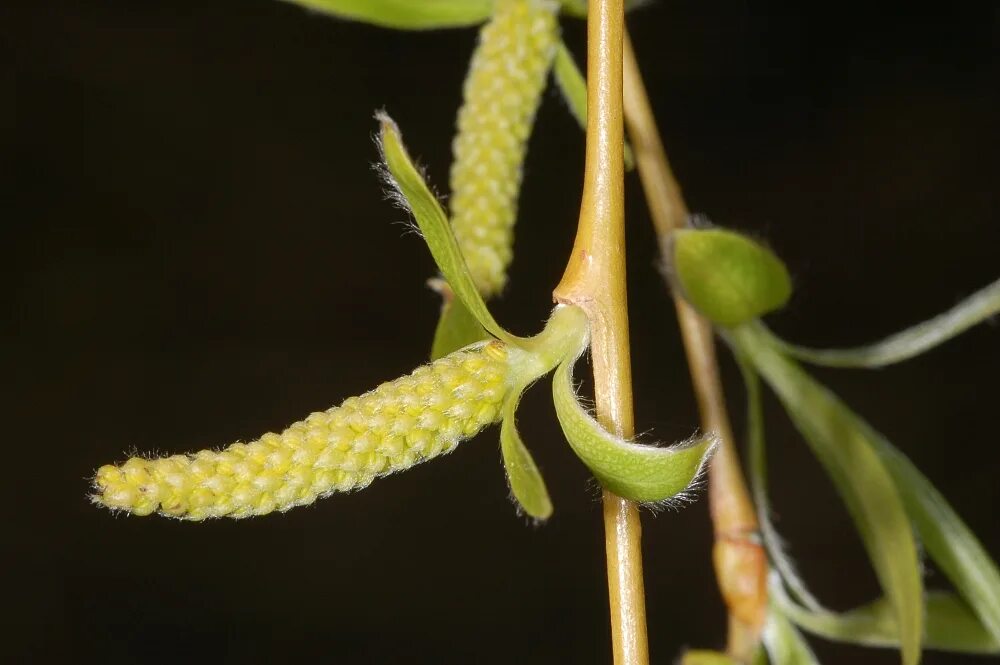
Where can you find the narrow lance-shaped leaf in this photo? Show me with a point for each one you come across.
(526, 483)
(951, 624)
(758, 477)
(911, 342)
(844, 446)
(947, 539)
(784, 643)
(434, 225)
(573, 86)
(647, 474)
(405, 14)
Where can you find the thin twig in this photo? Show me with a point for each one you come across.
(740, 563)
(595, 281)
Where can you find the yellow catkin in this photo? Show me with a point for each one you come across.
(391, 428)
(502, 92)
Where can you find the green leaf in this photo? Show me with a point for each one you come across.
(526, 483)
(784, 643)
(951, 624)
(705, 657)
(407, 181)
(456, 328)
(647, 474)
(573, 86)
(578, 8)
(726, 276)
(844, 445)
(758, 482)
(406, 14)
(946, 538)
(911, 342)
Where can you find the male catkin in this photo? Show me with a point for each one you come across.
(502, 92)
(391, 428)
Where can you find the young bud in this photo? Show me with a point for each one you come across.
(726, 276)
(391, 428)
(502, 93)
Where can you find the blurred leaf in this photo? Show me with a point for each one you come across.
(758, 480)
(705, 657)
(784, 643)
(843, 443)
(947, 539)
(573, 86)
(578, 8)
(951, 624)
(406, 14)
(457, 327)
(646, 474)
(526, 482)
(911, 342)
(414, 194)
(726, 276)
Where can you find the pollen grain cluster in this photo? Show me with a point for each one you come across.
(502, 93)
(399, 424)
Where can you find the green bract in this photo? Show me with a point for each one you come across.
(726, 276)
(433, 223)
(646, 474)
(526, 483)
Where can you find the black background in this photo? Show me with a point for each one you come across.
(199, 252)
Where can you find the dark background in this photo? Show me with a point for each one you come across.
(199, 252)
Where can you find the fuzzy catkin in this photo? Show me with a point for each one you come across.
(391, 428)
(502, 92)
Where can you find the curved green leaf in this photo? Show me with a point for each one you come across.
(758, 482)
(947, 539)
(911, 342)
(526, 483)
(412, 192)
(647, 474)
(951, 624)
(573, 86)
(726, 276)
(456, 328)
(784, 643)
(406, 14)
(844, 445)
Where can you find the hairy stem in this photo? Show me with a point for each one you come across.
(595, 281)
(740, 563)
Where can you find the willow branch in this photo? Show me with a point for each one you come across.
(740, 563)
(595, 281)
